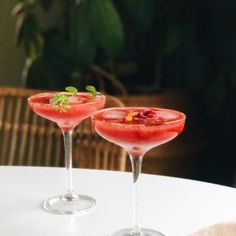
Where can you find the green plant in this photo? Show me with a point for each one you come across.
(149, 45)
(85, 35)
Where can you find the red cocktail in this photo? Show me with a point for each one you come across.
(67, 110)
(79, 107)
(137, 130)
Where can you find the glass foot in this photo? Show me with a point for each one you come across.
(69, 204)
(145, 232)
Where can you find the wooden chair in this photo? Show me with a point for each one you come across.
(27, 139)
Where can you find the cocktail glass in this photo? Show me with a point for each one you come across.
(137, 130)
(79, 107)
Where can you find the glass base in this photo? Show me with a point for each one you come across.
(145, 232)
(69, 204)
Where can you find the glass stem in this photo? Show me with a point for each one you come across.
(67, 135)
(136, 163)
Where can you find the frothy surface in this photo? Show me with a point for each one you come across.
(80, 98)
(143, 115)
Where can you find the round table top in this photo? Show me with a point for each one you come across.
(174, 206)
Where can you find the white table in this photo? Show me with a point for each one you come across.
(174, 206)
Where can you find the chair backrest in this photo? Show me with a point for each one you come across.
(28, 139)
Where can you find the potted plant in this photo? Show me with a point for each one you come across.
(83, 41)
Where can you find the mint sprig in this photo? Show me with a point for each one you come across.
(60, 100)
(92, 90)
(72, 90)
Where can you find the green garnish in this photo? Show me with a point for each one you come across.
(92, 90)
(72, 90)
(60, 100)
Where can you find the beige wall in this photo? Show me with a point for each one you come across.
(11, 58)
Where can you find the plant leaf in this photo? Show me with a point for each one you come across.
(141, 12)
(19, 29)
(44, 74)
(58, 49)
(18, 9)
(72, 90)
(107, 26)
(92, 89)
(28, 34)
(81, 33)
(46, 4)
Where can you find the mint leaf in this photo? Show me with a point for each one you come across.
(72, 90)
(59, 99)
(59, 102)
(92, 90)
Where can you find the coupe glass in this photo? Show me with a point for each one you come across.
(137, 130)
(79, 107)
